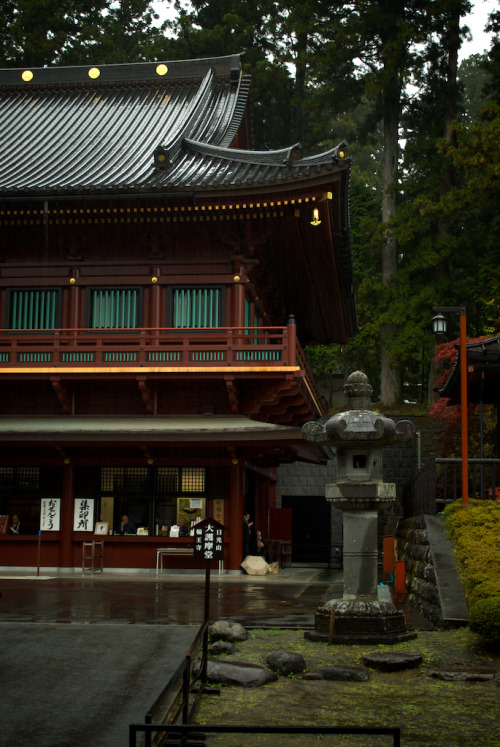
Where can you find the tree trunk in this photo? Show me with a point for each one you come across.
(391, 380)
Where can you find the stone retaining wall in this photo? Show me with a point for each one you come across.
(421, 584)
(433, 585)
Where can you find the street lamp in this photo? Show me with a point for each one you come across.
(439, 327)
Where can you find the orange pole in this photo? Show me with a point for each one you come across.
(463, 402)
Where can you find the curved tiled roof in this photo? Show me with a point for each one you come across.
(135, 128)
(483, 373)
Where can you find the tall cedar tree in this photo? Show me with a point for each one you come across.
(34, 33)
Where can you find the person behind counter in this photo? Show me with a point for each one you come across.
(126, 526)
(15, 527)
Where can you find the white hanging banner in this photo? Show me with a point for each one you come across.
(50, 514)
(83, 517)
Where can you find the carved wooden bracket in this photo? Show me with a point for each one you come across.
(147, 395)
(233, 394)
(63, 396)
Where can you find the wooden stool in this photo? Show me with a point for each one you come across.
(96, 553)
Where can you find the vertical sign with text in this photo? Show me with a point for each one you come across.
(83, 517)
(50, 514)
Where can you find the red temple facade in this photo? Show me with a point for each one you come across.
(158, 281)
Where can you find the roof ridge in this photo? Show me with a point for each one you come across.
(120, 73)
(283, 156)
(166, 152)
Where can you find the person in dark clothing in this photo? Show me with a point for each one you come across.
(248, 536)
(126, 526)
(261, 544)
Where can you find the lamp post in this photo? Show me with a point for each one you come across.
(439, 327)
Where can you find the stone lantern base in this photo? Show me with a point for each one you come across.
(355, 621)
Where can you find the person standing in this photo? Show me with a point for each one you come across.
(248, 536)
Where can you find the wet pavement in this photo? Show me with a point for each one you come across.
(288, 599)
(84, 656)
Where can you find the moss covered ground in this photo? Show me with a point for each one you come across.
(428, 711)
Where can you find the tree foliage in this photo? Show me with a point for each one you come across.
(35, 33)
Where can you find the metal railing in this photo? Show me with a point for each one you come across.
(483, 479)
(180, 698)
(195, 735)
(438, 483)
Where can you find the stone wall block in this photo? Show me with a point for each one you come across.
(425, 571)
(425, 590)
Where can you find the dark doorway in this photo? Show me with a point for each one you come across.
(311, 528)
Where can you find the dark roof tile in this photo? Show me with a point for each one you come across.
(132, 129)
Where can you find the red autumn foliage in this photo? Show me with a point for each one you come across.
(449, 416)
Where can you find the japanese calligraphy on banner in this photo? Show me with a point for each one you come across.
(209, 540)
(50, 514)
(83, 517)
(218, 507)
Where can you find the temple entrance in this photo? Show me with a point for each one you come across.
(311, 528)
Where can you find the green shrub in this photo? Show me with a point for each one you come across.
(484, 619)
(475, 533)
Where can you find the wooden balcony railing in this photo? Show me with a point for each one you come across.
(84, 348)
(261, 348)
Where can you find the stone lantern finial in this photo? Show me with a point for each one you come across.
(358, 391)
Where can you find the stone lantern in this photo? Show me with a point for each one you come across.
(359, 434)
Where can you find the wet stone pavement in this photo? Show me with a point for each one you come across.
(288, 599)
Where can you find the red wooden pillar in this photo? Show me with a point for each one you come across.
(155, 300)
(238, 312)
(235, 514)
(67, 509)
(74, 301)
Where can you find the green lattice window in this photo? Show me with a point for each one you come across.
(36, 308)
(115, 308)
(196, 307)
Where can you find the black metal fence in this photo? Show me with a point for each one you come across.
(419, 494)
(439, 482)
(180, 698)
(193, 735)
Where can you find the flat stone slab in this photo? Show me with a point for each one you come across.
(338, 674)
(234, 673)
(462, 676)
(392, 661)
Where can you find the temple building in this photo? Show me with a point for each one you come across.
(159, 279)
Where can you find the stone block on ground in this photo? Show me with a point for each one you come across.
(227, 630)
(235, 673)
(462, 676)
(286, 662)
(338, 674)
(392, 661)
(222, 647)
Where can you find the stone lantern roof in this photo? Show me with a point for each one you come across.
(359, 424)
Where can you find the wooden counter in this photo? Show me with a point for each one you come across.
(129, 551)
